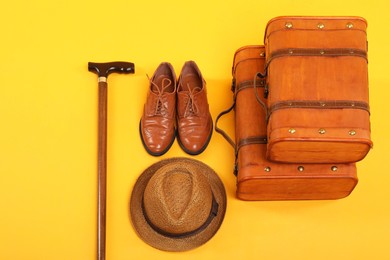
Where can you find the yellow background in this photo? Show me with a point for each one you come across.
(48, 130)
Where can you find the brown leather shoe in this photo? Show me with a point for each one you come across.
(157, 126)
(195, 124)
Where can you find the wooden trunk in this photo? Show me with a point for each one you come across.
(259, 178)
(317, 83)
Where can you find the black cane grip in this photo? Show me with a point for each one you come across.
(105, 69)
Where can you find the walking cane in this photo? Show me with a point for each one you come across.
(103, 70)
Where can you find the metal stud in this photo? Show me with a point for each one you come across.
(349, 25)
(321, 131)
(290, 51)
(321, 26)
(322, 52)
(352, 132)
(267, 169)
(262, 54)
(289, 25)
(291, 130)
(322, 104)
(333, 168)
(301, 168)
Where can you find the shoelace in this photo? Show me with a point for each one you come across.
(192, 107)
(160, 108)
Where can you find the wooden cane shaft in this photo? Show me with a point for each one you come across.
(102, 171)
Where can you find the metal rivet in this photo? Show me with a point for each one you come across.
(333, 168)
(289, 103)
(353, 104)
(351, 52)
(349, 25)
(321, 131)
(262, 54)
(288, 25)
(301, 168)
(322, 104)
(321, 26)
(290, 51)
(322, 52)
(352, 132)
(267, 169)
(291, 130)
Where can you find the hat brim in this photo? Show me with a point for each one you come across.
(149, 235)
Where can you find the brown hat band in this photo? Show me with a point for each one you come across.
(213, 213)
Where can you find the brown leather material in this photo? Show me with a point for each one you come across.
(304, 32)
(335, 134)
(259, 178)
(327, 104)
(287, 182)
(319, 66)
(194, 120)
(248, 84)
(251, 140)
(157, 125)
(321, 52)
(312, 141)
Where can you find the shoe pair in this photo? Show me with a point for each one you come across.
(176, 106)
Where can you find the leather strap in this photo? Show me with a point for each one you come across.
(236, 89)
(220, 131)
(249, 84)
(334, 52)
(328, 104)
(248, 59)
(251, 140)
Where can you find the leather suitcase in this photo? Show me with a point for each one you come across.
(257, 177)
(317, 87)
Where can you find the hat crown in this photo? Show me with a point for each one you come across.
(178, 199)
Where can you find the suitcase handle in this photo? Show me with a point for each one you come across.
(261, 76)
(235, 90)
(224, 134)
(224, 112)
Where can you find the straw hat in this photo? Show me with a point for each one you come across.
(177, 204)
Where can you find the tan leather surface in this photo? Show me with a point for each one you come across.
(309, 186)
(322, 78)
(306, 29)
(261, 179)
(157, 125)
(194, 121)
